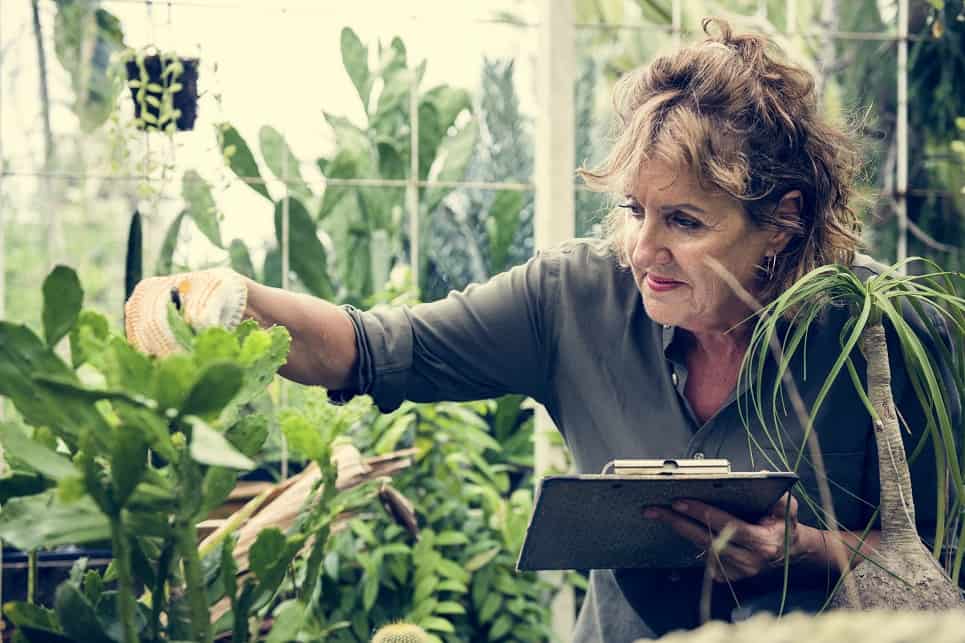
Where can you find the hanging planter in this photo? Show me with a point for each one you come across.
(164, 88)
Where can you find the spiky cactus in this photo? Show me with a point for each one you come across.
(400, 633)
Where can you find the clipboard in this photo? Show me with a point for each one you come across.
(596, 521)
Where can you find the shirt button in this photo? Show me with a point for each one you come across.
(674, 378)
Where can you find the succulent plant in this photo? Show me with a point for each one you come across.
(400, 633)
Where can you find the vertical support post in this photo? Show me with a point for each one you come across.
(790, 17)
(412, 185)
(285, 269)
(555, 163)
(676, 22)
(901, 134)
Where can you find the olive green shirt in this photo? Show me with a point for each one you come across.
(569, 329)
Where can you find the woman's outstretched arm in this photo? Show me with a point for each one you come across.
(323, 350)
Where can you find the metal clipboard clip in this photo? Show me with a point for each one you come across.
(671, 467)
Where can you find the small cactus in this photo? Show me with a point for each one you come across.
(400, 633)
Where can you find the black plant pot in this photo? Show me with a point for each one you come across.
(53, 568)
(185, 99)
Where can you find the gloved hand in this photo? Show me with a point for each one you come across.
(215, 297)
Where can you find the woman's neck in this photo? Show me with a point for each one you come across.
(719, 345)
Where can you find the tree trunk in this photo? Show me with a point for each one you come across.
(902, 573)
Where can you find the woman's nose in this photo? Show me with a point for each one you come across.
(648, 247)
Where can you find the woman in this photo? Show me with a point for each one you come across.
(634, 343)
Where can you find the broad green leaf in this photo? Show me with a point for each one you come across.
(23, 359)
(213, 390)
(85, 38)
(437, 624)
(355, 59)
(165, 257)
(249, 434)
(449, 103)
(280, 160)
(271, 270)
(154, 428)
(394, 97)
(41, 521)
(501, 627)
(240, 258)
(174, 377)
(63, 298)
(451, 538)
(502, 224)
(23, 483)
(307, 255)
(44, 460)
(211, 448)
(450, 607)
(288, 620)
(271, 554)
(481, 559)
(218, 483)
(239, 158)
(458, 150)
(77, 615)
(354, 147)
(88, 336)
(304, 438)
(32, 616)
(182, 332)
(129, 369)
(215, 344)
(128, 461)
(202, 207)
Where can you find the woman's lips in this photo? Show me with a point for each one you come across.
(658, 284)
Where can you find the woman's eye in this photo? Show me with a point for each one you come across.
(635, 209)
(687, 223)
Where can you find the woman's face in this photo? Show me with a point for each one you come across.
(672, 226)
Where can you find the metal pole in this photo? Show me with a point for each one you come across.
(790, 16)
(901, 134)
(555, 161)
(285, 267)
(676, 22)
(412, 185)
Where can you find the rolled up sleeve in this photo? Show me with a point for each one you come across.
(487, 340)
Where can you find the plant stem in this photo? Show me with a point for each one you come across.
(194, 583)
(897, 504)
(126, 605)
(158, 594)
(32, 576)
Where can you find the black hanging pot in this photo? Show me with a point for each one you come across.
(165, 91)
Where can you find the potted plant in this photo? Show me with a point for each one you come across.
(164, 88)
(902, 573)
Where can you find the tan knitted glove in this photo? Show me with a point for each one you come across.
(215, 297)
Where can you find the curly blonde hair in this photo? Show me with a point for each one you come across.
(748, 125)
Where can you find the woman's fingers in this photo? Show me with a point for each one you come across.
(743, 561)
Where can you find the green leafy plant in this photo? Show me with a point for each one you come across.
(130, 449)
(344, 241)
(901, 571)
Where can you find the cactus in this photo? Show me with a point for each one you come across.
(400, 633)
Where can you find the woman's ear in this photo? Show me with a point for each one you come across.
(789, 208)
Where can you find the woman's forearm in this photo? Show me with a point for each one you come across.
(323, 350)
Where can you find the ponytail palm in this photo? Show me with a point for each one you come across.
(901, 572)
